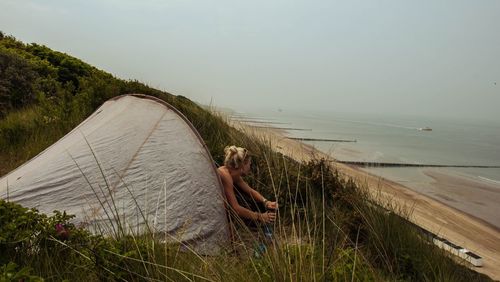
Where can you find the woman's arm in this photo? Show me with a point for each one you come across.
(249, 190)
(242, 211)
(233, 202)
(256, 195)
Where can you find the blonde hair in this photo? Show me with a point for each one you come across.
(235, 156)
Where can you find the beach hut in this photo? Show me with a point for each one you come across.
(136, 164)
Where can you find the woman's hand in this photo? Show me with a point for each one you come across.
(271, 205)
(267, 217)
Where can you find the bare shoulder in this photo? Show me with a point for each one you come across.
(225, 175)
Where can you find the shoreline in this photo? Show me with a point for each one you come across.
(427, 212)
(482, 221)
(462, 192)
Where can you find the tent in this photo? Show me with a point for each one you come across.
(137, 163)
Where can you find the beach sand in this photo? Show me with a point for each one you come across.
(469, 194)
(436, 216)
(481, 198)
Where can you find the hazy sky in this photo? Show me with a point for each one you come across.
(434, 58)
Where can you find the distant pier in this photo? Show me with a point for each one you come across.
(281, 128)
(320, 139)
(260, 121)
(381, 164)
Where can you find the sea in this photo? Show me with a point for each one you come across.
(398, 139)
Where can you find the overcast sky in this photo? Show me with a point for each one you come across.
(429, 58)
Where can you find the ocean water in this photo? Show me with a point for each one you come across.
(397, 139)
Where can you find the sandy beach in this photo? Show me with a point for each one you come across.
(436, 216)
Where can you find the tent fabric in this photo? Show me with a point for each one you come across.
(137, 161)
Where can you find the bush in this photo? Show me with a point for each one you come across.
(10, 272)
(339, 234)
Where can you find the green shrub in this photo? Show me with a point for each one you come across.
(340, 235)
(10, 272)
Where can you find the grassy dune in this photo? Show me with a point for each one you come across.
(327, 228)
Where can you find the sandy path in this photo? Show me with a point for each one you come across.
(454, 225)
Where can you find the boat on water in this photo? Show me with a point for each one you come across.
(425, 129)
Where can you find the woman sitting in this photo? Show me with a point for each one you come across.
(237, 163)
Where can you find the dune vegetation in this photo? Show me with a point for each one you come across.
(328, 229)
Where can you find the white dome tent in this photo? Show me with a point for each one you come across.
(136, 159)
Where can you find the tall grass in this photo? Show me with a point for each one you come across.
(327, 230)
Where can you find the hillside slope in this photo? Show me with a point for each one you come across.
(327, 228)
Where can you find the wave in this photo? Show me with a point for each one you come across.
(379, 124)
(489, 180)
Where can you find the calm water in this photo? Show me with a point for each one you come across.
(384, 138)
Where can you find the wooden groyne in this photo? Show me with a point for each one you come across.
(381, 164)
(260, 121)
(247, 117)
(320, 139)
(281, 128)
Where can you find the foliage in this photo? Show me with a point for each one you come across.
(10, 272)
(327, 229)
